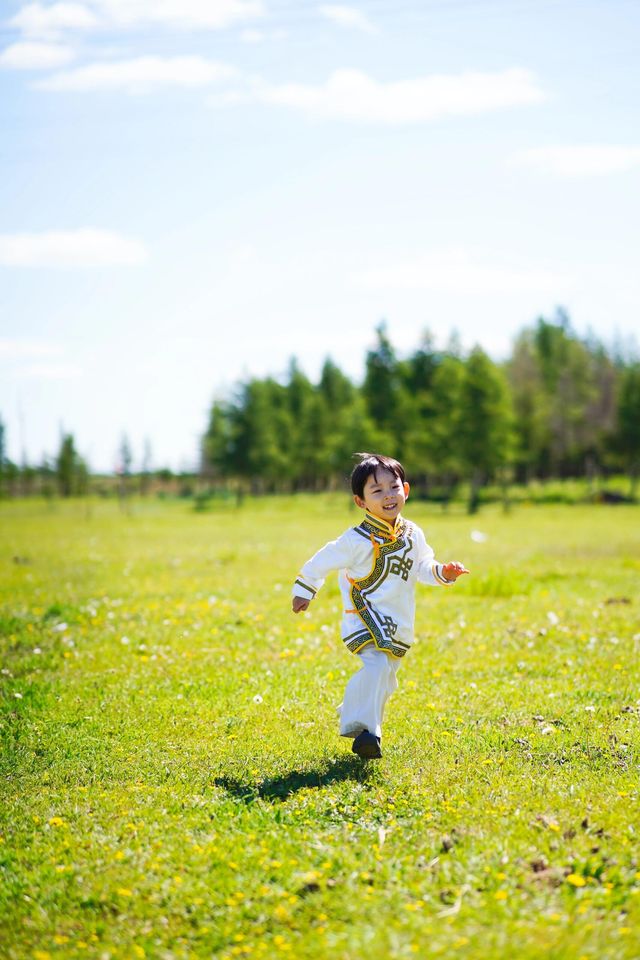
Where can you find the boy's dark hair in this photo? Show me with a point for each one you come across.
(369, 463)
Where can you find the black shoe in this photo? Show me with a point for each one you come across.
(367, 746)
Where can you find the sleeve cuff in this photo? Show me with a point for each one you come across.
(439, 576)
(301, 589)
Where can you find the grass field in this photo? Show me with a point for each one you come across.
(173, 781)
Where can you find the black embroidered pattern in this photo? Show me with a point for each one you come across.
(389, 626)
(355, 641)
(401, 566)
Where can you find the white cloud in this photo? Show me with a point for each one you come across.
(47, 359)
(347, 17)
(252, 36)
(70, 248)
(37, 19)
(35, 56)
(352, 95)
(20, 348)
(182, 14)
(51, 371)
(589, 160)
(140, 75)
(262, 36)
(461, 272)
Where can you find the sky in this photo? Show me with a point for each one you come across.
(192, 192)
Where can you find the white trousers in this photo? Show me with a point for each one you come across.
(367, 693)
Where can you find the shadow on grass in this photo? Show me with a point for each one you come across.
(279, 788)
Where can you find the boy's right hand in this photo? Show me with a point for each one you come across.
(299, 604)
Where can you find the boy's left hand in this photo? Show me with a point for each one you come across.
(453, 570)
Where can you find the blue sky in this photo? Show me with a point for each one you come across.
(193, 191)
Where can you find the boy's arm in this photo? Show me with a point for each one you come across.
(430, 571)
(333, 556)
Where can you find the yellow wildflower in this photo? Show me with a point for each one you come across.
(576, 880)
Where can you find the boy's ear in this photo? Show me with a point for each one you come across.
(406, 490)
(359, 502)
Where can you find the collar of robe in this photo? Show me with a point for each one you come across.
(390, 530)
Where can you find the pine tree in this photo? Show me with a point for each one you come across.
(485, 423)
(387, 402)
(627, 435)
(71, 471)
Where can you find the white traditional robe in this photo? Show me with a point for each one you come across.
(379, 566)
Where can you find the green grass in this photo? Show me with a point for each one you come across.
(173, 781)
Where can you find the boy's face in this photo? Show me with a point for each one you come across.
(384, 495)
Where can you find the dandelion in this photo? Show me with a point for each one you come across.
(500, 895)
(576, 880)
(124, 892)
(56, 822)
(257, 698)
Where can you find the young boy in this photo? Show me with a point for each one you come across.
(380, 561)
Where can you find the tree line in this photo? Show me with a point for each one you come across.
(67, 474)
(559, 406)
